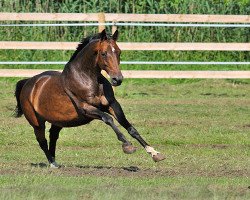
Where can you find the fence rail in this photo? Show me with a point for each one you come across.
(127, 24)
(190, 18)
(172, 46)
(143, 74)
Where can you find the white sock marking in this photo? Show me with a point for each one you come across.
(54, 165)
(151, 151)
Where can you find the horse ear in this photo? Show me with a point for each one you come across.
(115, 35)
(103, 35)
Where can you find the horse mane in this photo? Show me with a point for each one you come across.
(84, 42)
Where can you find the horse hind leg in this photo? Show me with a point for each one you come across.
(54, 135)
(40, 137)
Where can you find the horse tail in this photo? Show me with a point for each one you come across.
(19, 86)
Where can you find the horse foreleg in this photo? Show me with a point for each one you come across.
(116, 110)
(126, 145)
(95, 113)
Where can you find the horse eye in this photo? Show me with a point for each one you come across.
(104, 54)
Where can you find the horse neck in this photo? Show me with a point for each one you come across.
(85, 63)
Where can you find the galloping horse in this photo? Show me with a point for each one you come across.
(78, 95)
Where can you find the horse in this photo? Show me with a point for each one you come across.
(78, 95)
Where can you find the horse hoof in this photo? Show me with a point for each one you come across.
(128, 148)
(158, 157)
(54, 165)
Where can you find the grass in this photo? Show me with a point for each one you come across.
(202, 126)
(121, 188)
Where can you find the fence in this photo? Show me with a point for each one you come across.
(123, 19)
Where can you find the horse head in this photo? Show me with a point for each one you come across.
(108, 57)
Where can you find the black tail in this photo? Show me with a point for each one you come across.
(19, 86)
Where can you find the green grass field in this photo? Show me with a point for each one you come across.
(202, 126)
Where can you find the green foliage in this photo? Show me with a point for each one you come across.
(130, 34)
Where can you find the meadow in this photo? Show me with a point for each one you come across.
(202, 126)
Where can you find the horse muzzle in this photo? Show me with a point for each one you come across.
(116, 81)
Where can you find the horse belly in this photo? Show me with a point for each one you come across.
(62, 114)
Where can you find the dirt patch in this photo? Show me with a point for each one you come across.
(219, 146)
(130, 171)
(126, 171)
(246, 126)
(134, 171)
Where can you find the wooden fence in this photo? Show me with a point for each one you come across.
(143, 74)
(132, 46)
(102, 18)
(125, 17)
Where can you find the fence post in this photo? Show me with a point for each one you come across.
(101, 19)
(101, 27)
(114, 27)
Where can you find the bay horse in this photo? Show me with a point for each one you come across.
(78, 95)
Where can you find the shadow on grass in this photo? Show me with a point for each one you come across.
(129, 169)
(40, 165)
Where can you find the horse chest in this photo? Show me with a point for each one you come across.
(94, 96)
(98, 100)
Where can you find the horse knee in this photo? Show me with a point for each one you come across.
(133, 132)
(107, 119)
(119, 114)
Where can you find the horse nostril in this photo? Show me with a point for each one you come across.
(116, 81)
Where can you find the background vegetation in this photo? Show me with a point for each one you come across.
(129, 34)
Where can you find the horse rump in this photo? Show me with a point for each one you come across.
(19, 86)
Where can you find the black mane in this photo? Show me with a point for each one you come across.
(84, 43)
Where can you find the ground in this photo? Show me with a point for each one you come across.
(201, 126)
